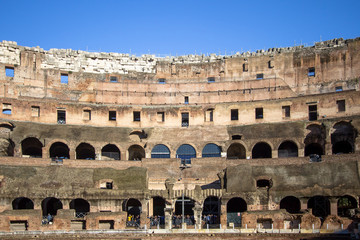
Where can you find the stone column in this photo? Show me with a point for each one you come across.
(328, 148)
(301, 152)
(275, 153)
(333, 206)
(72, 154)
(144, 212)
(303, 203)
(197, 216)
(168, 216)
(223, 215)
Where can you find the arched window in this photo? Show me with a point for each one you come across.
(185, 152)
(110, 152)
(50, 206)
(60, 150)
(211, 150)
(211, 208)
(31, 147)
(81, 206)
(320, 206)
(345, 205)
(287, 149)
(22, 203)
(261, 150)
(290, 204)
(136, 153)
(343, 138)
(234, 207)
(315, 140)
(85, 151)
(133, 207)
(236, 151)
(160, 151)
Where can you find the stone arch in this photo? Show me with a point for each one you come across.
(236, 151)
(22, 203)
(51, 205)
(211, 207)
(234, 207)
(32, 147)
(185, 152)
(136, 152)
(59, 149)
(85, 151)
(110, 152)
(291, 204)
(80, 205)
(343, 138)
(133, 207)
(315, 139)
(288, 149)
(262, 150)
(345, 204)
(160, 151)
(320, 206)
(188, 206)
(211, 150)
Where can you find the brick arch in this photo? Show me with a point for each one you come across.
(48, 145)
(176, 147)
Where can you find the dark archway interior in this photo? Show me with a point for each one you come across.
(320, 206)
(85, 151)
(236, 151)
(290, 204)
(261, 150)
(60, 150)
(235, 205)
(158, 206)
(346, 203)
(133, 207)
(50, 206)
(288, 149)
(80, 205)
(136, 153)
(22, 203)
(32, 147)
(314, 148)
(342, 147)
(188, 206)
(343, 138)
(111, 151)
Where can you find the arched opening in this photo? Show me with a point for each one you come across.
(110, 152)
(185, 152)
(345, 206)
(343, 138)
(211, 210)
(133, 209)
(291, 204)
(31, 147)
(234, 207)
(81, 206)
(287, 149)
(314, 148)
(136, 153)
(160, 151)
(22, 203)
(60, 150)
(211, 150)
(320, 206)
(261, 150)
(50, 206)
(158, 206)
(236, 151)
(188, 206)
(315, 140)
(85, 151)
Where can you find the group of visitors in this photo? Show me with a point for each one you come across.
(210, 219)
(133, 221)
(156, 220)
(177, 220)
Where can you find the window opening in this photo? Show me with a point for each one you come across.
(162, 81)
(245, 67)
(136, 116)
(186, 100)
(109, 185)
(160, 151)
(234, 114)
(285, 111)
(211, 150)
(35, 111)
(6, 108)
(340, 105)
(263, 183)
(160, 117)
(112, 115)
(271, 63)
(64, 78)
(259, 113)
(211, 79)
(184, 119)
(9, 71)
(236, 137)
(311, 72)
(113, 79)
(61, 116)
(338, 89)
(87, 114)
(110, 152)
(209, 117)
(185, 152)
(313, 112)
(259, 76)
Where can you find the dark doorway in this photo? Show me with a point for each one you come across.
(287, 149)
(211, 210)
(136, 153)
(110, 152)
(59, 150)
(345, 205)
(188, 206)
(290, 204)
(50, 206)
(22, 203)
(81, 206)
(343, 138)
(234, 208)
(313, 148)
(158, 206)
(85, 151)
(236, 151)
(320, 206)
(261, 150)
(31, 147)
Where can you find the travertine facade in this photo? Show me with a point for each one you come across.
(91, 138)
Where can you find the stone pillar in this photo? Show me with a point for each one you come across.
(223, 215)
(333, 206)
(328, 148)
(197, 216)
(301, 152)
(72, 154)
(303, 203)
(168, 216)
(275, 153)
(144, 212)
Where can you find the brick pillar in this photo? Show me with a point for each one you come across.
(328, 148)
(168, 217)
(223, 215)
(301, 152)
(275, 153)
(303, 203)
(144, 212)
(333, 206)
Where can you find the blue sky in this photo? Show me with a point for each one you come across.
(176, 27)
